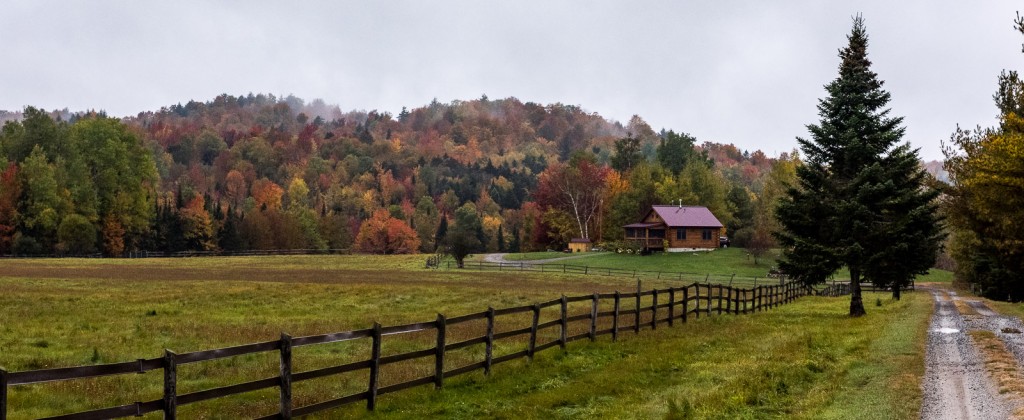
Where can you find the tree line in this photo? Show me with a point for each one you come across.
(262, 172)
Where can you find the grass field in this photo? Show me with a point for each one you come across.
(724, 261)
(68, 312)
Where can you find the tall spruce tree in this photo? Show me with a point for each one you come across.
(860, 201)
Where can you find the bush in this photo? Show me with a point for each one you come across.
(76, 235)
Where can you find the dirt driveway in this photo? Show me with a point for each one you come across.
(957, 384)
(500, 258)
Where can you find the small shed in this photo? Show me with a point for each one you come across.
(579, 245)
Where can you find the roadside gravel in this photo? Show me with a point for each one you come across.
(956, 384)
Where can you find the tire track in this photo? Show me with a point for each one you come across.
(956, 384)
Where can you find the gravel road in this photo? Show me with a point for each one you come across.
(956, 385)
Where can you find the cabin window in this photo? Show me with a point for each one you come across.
(706, 235)
(680, 234)
(657, 233)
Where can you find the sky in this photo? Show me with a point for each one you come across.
(748, 73)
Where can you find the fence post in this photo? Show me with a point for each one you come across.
(760, 298)
(636, 310)
(593, 319)
(719, 299)
(615, 317)
(671, 305)
(286, 376)
(3, 394)
(728, 300)
(709, 299)
(564, 323)
(654, 309)
(371, 400)
(489, 355)
(742, 299)
(533, 332)
(696, 301)
(686, 302)
(439, 353)
(170, 386)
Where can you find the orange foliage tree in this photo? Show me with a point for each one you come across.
(267, 194)
(383, 234)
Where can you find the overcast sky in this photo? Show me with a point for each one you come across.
(743, 72)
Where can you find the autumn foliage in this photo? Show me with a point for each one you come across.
(383, 234)
(266, 172)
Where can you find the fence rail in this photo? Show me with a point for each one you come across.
(666, 306)
(832, 288)
(183, 254)
(835, 289)
(526, 266)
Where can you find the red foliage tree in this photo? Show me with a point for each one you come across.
(383, 234)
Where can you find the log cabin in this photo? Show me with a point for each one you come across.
(673, 228)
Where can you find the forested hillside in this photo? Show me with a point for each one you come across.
(261, 172)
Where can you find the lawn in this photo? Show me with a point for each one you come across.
(69, 312)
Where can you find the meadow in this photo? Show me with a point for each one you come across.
(723, 262)
(70, 312)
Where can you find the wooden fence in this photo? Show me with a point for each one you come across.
(185, 254)
(526, 266)
(836, 289)
(599, 314)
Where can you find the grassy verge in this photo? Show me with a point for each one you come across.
(805, 360)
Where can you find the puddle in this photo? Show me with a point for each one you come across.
(947, 330)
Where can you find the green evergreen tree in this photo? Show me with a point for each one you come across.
(228, 237)
(442, 231)
(676, 151)
(462, 239)
(628, 153)
(860, 201)
(514, 243)
(501, 239)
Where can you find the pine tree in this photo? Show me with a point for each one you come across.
(442, 230)
(860, 201)
(501, 239)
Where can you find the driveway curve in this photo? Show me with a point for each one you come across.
(500, 258)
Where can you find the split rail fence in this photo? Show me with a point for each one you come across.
(595, 315)
(728, 279)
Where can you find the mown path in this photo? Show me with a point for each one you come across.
(957, 384)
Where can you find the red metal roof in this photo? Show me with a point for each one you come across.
(579, 240)
(687, 216)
